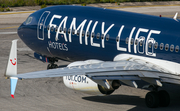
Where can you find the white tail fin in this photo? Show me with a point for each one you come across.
(11, 69)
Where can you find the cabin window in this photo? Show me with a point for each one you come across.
(65, 29)
(127, 40)
(78, 33)
(48, 27)
(117, 39)
(132, 41)
(166, 47)
(102, 36)
(136, 42)
(141, 43)
(52, 28)
(172, 48)
(69, 31)
(97, 35)
(93, 34)
(83, 33)
(156, 45)
(150, 44)
(60, 29)
(56, 29)
(88, 33)
(177, 48)
(161, 46)
(73, 32)
(107, 37)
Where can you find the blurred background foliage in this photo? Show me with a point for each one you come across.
(16, 3)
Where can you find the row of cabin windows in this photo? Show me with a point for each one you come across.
(117, 39)
(78, 32)
(150, 44)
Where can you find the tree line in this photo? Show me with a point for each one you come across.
(16, 3)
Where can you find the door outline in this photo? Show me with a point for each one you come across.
(141, 38)
(43, 25)
(152, 47)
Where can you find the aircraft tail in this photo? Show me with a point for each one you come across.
(11, 69)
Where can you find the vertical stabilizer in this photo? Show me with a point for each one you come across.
(11, 69)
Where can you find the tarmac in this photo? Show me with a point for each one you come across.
(50, 94)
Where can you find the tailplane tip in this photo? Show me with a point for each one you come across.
(12, 95)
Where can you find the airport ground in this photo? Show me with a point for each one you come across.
(50, 94)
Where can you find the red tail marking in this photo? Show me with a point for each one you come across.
(12, 62)
(12, 95)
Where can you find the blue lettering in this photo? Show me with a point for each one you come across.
(79, 79)
(84, 79)
(75, 78)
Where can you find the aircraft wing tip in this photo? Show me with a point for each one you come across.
(12, 95)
